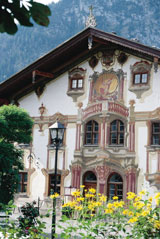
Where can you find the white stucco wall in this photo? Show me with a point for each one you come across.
(55, 99)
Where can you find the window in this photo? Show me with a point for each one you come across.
(77, 83)
(117, 132)
(140, 78)
(90, 180)
(115, 186)
(91, 136)
(22, 185)
(51, 184)
(156, 133)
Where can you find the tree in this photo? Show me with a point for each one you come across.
(15, 127)
(20, 12)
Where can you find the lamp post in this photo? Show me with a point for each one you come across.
(57, 134)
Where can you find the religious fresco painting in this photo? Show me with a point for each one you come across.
(106, 87)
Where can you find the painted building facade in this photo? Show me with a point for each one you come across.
(105, 90)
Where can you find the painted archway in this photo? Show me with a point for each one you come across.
(90, 180)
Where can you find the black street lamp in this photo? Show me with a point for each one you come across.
(57, 134)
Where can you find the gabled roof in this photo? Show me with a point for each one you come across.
(68, 55)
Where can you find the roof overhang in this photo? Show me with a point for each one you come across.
(68, 55)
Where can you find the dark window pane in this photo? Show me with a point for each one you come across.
(90, 177)
(95, 139)
(121, 126)
(156, 139)
(156, 127)
(115, 178)
(120, 186)
(25, 177)
(91, 136)
(113, 138)
(121, 138)
(114, 126)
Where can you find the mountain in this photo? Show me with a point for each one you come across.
(128, 18)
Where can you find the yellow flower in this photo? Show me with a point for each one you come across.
(79, 208)
(80, 199)
(130, 213)
(108, 211)
(131, 195)
(82, 186)
(144, 213)
(103, 198)
(88, 195)
(138, 205)
(143, 192)
(150, 199)
(125, 212)
(54, 196)
(137, 198)
(76, 193)
(157, 224)
(157, 196)
(132, 220)
(116, 204)
(115, 198)
(92, 190)
(109, 205)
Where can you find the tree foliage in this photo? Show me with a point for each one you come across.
(15, 127)
(14, 12)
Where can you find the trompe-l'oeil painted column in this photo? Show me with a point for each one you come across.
(132, 127)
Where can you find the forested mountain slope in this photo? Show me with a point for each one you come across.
(128, 18)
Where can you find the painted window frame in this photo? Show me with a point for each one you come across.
(155, 133)
(51, 186)
(141, 78)
(116, 186)
(22, 182)
(92, 132)
(117, 132)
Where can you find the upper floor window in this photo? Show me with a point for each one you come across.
(156, 133)
(91, 134)
(117, 132)
(22, 185)
(77, 83)
(140, 78)
(76, 78)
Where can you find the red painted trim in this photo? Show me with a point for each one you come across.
(104, 133)
(76, 137)
(79, 137)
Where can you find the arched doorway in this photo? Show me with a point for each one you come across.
(90, 180)
(115, 186)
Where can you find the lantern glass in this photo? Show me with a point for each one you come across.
(57, 133)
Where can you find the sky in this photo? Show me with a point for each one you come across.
(47, 1)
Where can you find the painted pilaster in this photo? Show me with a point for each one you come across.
(76, 176)
(131, 180)
(102, 172)
(132, 127)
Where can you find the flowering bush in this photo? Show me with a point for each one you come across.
(27, 226)
(138, 217)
